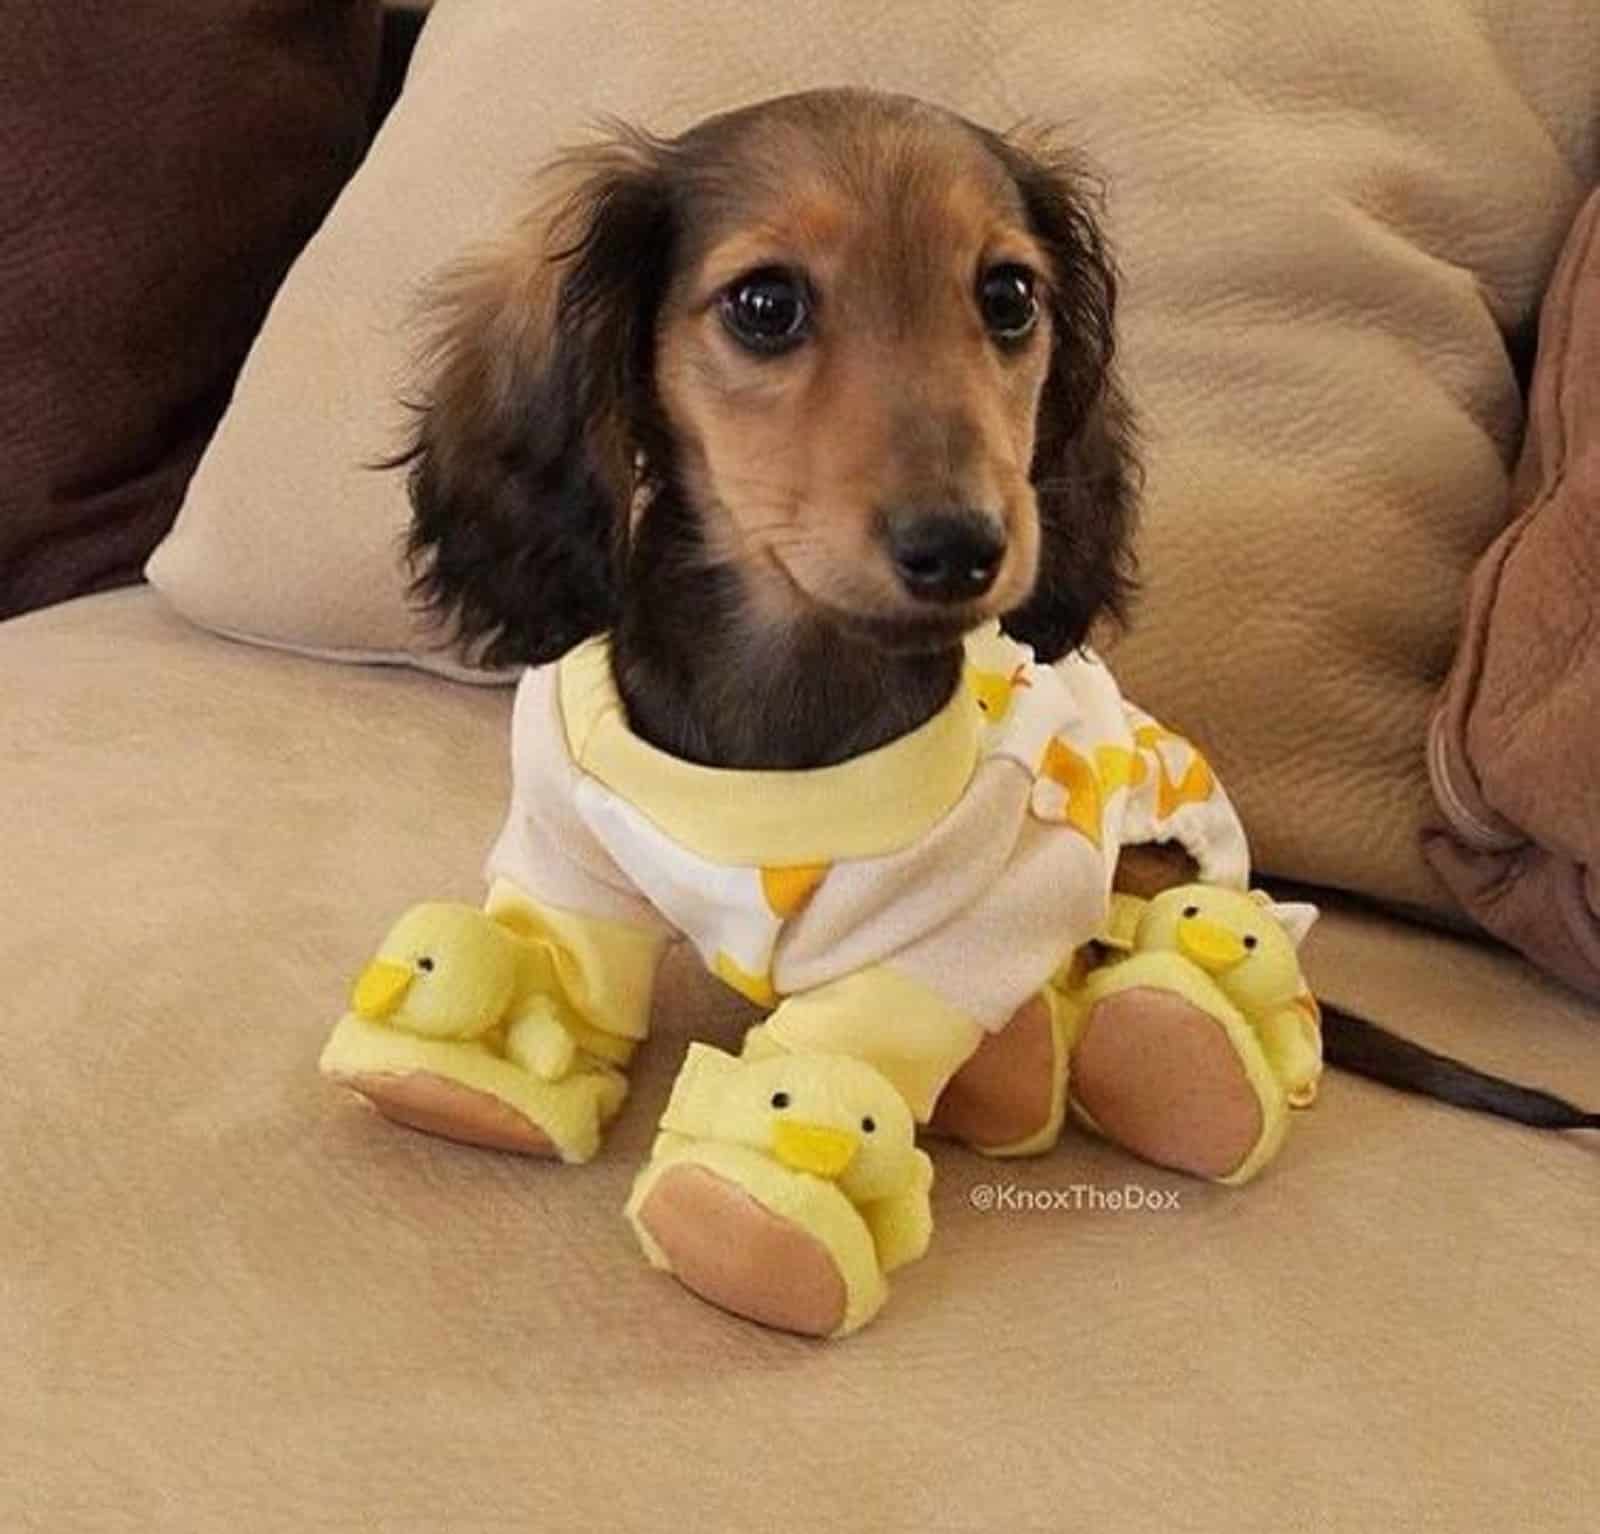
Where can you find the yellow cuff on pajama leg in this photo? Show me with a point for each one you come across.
(601, 974)
(584, 997)
(901, 1028)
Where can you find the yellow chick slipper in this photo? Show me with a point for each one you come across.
(784, 1189)
(452, 1030)
(1191, 1048)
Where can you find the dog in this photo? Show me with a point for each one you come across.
(787, 406)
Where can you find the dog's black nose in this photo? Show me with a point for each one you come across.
(945, 556)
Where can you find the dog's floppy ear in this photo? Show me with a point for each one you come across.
(1085, 473)
(535, 413)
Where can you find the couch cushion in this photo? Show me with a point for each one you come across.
(1512, 743)
(1322, 251)
(230, 1297)
(161, 162)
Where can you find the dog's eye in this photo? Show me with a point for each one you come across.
(1010, 305)
(766, 311)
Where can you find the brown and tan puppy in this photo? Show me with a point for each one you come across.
(788, 404)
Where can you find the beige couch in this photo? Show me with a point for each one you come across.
(231, 1298)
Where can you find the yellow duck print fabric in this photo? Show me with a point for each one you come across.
(895, 907)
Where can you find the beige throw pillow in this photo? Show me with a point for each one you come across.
(1327, 214)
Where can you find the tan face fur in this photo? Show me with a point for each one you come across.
(897, 398)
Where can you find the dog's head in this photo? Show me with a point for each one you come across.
(866, 344)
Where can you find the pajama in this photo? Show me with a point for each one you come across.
(895, 907)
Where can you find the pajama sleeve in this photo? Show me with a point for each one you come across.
(596, 938)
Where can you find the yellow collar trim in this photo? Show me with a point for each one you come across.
(869, 806)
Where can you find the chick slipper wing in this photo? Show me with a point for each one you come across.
(902, 1225)
(463, 1092)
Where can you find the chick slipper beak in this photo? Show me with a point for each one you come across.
(814, 1148)
(1210, 945)
(379, 990)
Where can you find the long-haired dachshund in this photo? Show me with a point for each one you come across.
(787, 407)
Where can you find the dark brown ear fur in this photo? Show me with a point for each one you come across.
(1085, 473)
(538, 406)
